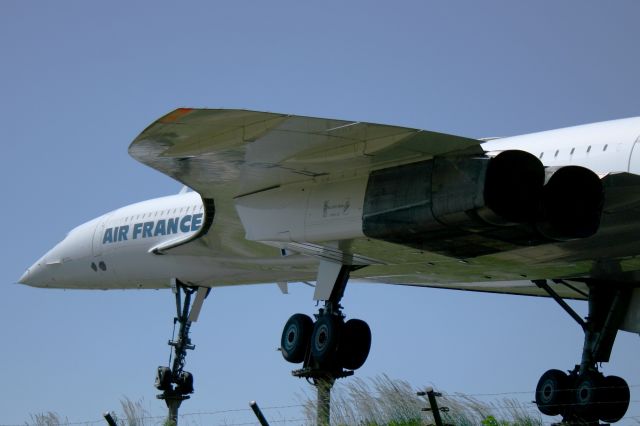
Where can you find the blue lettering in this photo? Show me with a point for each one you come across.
(137, 229)
(108, 236)
(160, 228)
(185, 224)
(172, 226)
(196, 221)
(147, 231)
(122, 233)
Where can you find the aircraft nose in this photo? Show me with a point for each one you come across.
(62, 266)
(24, 279)
(36, 275)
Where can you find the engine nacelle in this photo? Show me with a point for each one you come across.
(462, 206)
(432, 201)
(454, 193)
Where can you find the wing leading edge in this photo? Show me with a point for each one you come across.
(227, 153)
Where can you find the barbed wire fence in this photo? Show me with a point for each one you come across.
(377, 398)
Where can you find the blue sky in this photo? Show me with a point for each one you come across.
(79, 80)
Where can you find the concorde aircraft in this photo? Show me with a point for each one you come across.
(282, 198)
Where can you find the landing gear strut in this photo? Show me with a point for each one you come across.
(175, 383)
(330, 348)
(585, 395)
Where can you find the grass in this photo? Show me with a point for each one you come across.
(356, 402)
(385, 401)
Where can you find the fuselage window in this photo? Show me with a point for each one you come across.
(605, 147)
(556, 154)
(589, 149)
(573, 150)
(541, 155)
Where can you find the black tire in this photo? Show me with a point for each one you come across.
(325, 339)
(616, 398)
(552, 392)
(355, 344)
(184, 383)
(163, 379)
(295, 338)
(588, 395)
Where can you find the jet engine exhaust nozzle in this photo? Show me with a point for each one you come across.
(572, 202)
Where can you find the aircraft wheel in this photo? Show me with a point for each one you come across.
(325, 338)
(551, 392)
(295, 337)
(184, 383)
(355, 343)
(163, 379)
(616, 398)
(587, 395)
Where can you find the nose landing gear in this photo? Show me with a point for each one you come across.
(175, 383)
(585, 395)
(329, 348)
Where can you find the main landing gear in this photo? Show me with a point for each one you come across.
(175, 383)
(584, 395)
(331, 348)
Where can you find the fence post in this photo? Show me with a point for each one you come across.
(258, 413)
(110, 421)
(431, 395)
